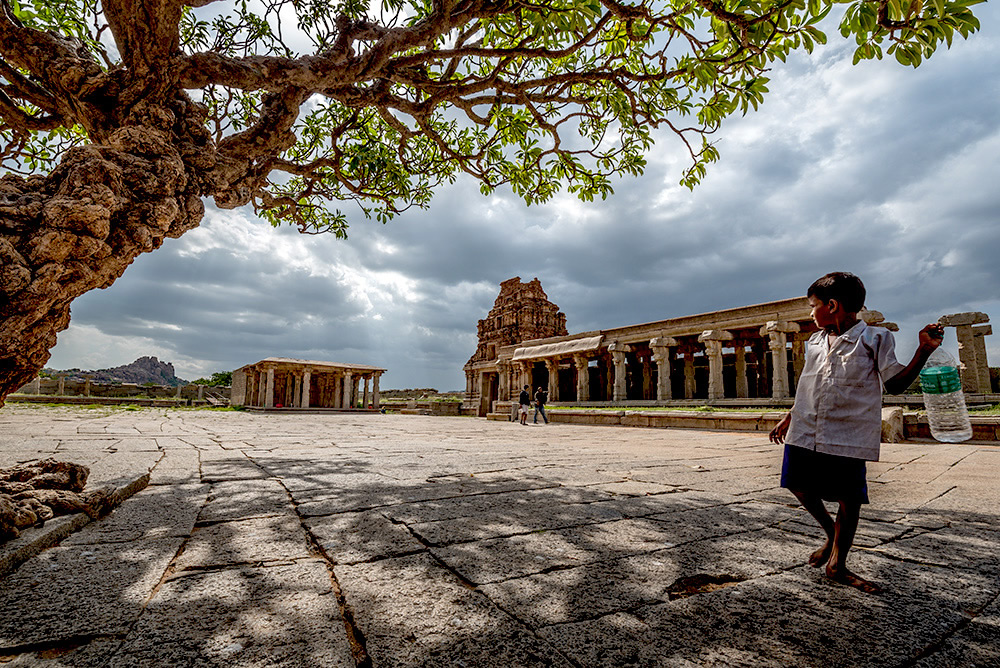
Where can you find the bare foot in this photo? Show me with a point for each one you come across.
(844, 576)
(821, 556)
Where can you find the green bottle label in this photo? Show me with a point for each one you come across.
(940, 380)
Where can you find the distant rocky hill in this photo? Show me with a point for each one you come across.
(142, 371)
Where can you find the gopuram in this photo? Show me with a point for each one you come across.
(744, 353)
(278, 383)
(521, 312)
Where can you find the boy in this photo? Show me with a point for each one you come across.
(524, 400)
(835, 424)
(540, 397)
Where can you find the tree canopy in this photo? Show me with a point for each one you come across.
(118, 117)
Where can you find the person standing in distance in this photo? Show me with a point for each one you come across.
(524, 400)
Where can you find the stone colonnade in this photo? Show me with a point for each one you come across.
(971, 331)
(290, 384)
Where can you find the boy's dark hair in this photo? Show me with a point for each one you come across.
(843, 286)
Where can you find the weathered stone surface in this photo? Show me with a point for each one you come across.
(350, 538)
(257, 540)
(285, 615)
(245, 499)
(412, 612)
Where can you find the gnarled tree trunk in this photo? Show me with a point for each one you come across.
(80, 226)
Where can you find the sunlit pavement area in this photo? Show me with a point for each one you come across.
(398, 540)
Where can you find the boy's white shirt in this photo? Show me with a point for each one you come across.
(838, 401)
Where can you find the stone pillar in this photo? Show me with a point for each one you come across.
(979, 333)
(618, 352)
(647, 376)
(62, 386)
(348, 397)
(798, 356)
(261, 388)
(306, 386)
(963, 322)
(356, 391)
(86, 386)
(552, 365)
(503, 381)
(367, 397)
(376, 397)
(582, 377)
(713, 338)
(690, 385)
(661, 355)
(524, 376)
(776, 331)
(269, 392)
(338, 390)
(742, 389)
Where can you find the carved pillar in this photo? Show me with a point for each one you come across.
(348, 395)
(963, 322)
(979, 333)
(297, 391)
(201, 392)
(582, 377)
(306, 385)
(690, 385)
(618, 352)
(261, 388)
(356, 391)
(798, 357)
(552, 365)
(742, 389)
(376, 395)
(713, 338)
(503, 381)
(776, 331)
(367, 397)
(86, 386)
(661, 355)
(269, 391)
(647, 376)
(62, 386)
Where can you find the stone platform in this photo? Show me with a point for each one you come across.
(398, 540)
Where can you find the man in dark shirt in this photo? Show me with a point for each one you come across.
(540, 397)
(524, 400)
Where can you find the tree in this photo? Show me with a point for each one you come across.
(118, 117)
(218, 379)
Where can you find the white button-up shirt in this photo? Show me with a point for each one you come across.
(838, 401)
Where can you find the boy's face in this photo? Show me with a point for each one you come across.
(823, 313)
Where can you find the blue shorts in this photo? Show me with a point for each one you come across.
(830, 477)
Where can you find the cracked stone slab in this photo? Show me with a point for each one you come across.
(155, 512)
(81, 590)
(954, 547)
(245, 499)
(283, 615)
(601, 588)
(412, 612)
(256, 540)
(355, 537)
(220, 470)
(782, 620)
(76, 653)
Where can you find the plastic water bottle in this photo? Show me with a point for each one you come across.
(943, 399)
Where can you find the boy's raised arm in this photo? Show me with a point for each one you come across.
(930, 339)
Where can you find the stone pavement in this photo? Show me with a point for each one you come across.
(391, 540)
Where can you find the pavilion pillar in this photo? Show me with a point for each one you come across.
(618, 352)
(261, 388)
(365, 396)
(713, 338)
(552, 365)
(661, 355)
(742, 388)
(776, 331)
(356, 391)
(582, 365)
(376, 397)
(979, 333)
(337, 391)
(798, 357)
(690, 385)
(647, 375)
(348, 395)
(963, 322)
(306, 384)
(269, 391)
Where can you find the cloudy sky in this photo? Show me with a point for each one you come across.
(886, 171)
